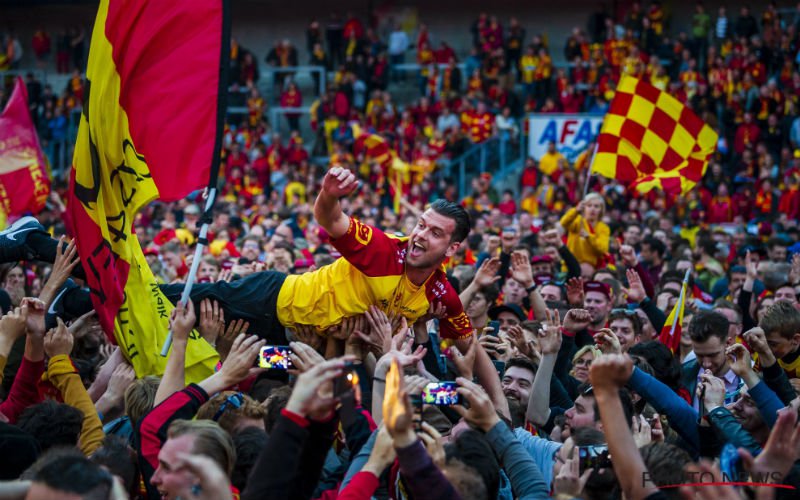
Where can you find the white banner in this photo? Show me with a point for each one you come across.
(570, 133)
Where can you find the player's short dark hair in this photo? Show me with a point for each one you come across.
(666, 367)
(627, 314)
(458, 214)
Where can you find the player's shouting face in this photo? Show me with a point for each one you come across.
(431, 240)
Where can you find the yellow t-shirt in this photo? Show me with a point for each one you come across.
(370, 272)
(549, 162)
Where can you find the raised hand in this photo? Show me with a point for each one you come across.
(524, 346)
(35, 319)
(58, 340)
(575, 294)
(628, 255)
(307, 334)
(465, 362)
(486, 275)
(635, 290)
(212, 320)
(382, 455)
(550, 334)
(570, 481)
(66, 260)
(607, 341)
(714, 393)
(794, 273)
(740, 360)
(122, 376)
(213, 481)
(433, 444)
(13, 325)
(312, 394)
(181, 321)
(751, 266)
(757, 340)
(225, 341)
(610, 372)
(304, 357)
(239, 363)
(521, 269)
(481, 413)
(379, 338)
(339, 182)
(577, 320)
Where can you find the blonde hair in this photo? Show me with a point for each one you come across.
(583, 350)
(597, 197)
(140, 397)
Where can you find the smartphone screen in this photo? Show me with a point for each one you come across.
(275, 357)
(346, 381)
(495, 326)
(441, 394)
(593, 457)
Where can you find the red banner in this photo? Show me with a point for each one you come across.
(24, 180)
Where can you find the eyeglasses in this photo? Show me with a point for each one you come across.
(588, 391)
(234, 401)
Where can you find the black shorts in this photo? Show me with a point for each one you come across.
(253, 298)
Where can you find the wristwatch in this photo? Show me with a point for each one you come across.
(531, 288)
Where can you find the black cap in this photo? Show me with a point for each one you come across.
(512, 308)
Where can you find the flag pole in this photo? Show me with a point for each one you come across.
(680, 302)
(202, 242)
(591, 167)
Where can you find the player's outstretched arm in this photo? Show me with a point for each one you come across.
(338, 182)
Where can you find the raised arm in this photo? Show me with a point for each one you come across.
(607, 374)
(338, 182)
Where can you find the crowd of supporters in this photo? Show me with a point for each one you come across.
(568, 294)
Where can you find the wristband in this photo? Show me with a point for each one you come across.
(531, 288)
(566, 332)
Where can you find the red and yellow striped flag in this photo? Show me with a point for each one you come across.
(651, 140)
(150, 128)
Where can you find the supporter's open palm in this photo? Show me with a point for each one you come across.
(550, 334)
(635, 291)
(212, 320)
(521, 269)
(486, 275)
(66, 260)
(225, 341)
(12, 325)
(575, 292)
(181, 321)
(465, 362)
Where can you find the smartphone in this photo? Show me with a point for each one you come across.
(441, 394)
(495, 326)
(275, 357)
(346, 381)
(593, 457)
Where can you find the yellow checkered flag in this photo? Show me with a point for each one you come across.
(650, 140)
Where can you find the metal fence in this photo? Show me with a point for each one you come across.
(499, 156)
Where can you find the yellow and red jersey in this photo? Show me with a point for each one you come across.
(370, 272)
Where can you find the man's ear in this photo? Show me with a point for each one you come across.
(795, 340)
(452, 249)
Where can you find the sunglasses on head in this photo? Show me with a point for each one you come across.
(234, 401)
(626, 312)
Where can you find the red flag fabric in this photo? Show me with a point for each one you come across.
(24, 180)
(151, 128)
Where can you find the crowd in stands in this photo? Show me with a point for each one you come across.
(567, 294)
